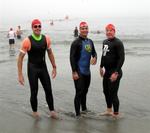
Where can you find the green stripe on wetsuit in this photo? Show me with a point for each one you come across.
(37, 38)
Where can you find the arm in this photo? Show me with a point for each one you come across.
(73, 62)
(102, 65)
(52, 60)
(25, 46)
(19, 65)
(94, 55)
(121, 56)
(73, 55)
(102, 70)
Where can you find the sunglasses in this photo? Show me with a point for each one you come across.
(37, 26)
(82, 28)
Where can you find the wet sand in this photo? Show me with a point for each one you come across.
(134, 93)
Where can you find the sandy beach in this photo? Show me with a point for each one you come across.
(15, 110)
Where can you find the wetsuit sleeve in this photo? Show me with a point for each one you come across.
(121, 55)
(25, 46)
(94, 54)
(48, 40)
(73, 54)
(102, 60)
(101, 64)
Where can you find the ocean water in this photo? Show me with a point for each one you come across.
(128, 29)
(134, 32)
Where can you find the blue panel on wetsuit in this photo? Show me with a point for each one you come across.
(84, 61)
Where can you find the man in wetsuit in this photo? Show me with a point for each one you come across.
(36, 46)
(82, 53)
(110, 69)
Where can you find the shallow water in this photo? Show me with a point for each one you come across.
(134, 93)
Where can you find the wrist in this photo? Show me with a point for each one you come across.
(116, 73)
(54, 67)
(101, 68)
(74, 72)
(20, 74)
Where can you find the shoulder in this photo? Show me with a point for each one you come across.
(76, 42)
(90, 40)
(118, 41)
(47, 37)
(26, 45)
(118, 44)
(26, 42)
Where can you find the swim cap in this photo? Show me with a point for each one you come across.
(35, 21)
(110, 27)
(82, 24)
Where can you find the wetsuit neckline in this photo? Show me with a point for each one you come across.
(112, 39)
(83, 38)
(37, 38)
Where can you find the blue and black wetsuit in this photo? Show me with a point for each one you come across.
(80, 54)
(37, 69)
(112, 60)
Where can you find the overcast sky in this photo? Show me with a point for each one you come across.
(19, 9)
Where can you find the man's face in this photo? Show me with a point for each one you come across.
(110, 33)
(36, 29)
(84, 31)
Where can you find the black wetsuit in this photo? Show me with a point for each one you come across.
(112, 60)
(37, 69)
(80, 55)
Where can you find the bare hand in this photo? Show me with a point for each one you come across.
(54, 72)
(93, 60)
(75, 76)
(102, 72)
(114, 77)
(21, 79)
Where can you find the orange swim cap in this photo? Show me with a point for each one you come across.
(83, 24)
(110, 27)
(35, 21)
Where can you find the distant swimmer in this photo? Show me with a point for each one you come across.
(96, 32)
(11, 35)
(36, 45)
(52, 23)
(18, 32)
(112, 60)
(75, 32)
(66, 17)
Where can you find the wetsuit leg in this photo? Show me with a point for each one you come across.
(79, 85)
(46, 83)
(114, 92)
(111, 92)
(33, 81)
(87, 80)
(106, 90)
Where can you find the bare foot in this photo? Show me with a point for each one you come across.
(117, 116)
(36, 114)
(53, 115)
(107, 113)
